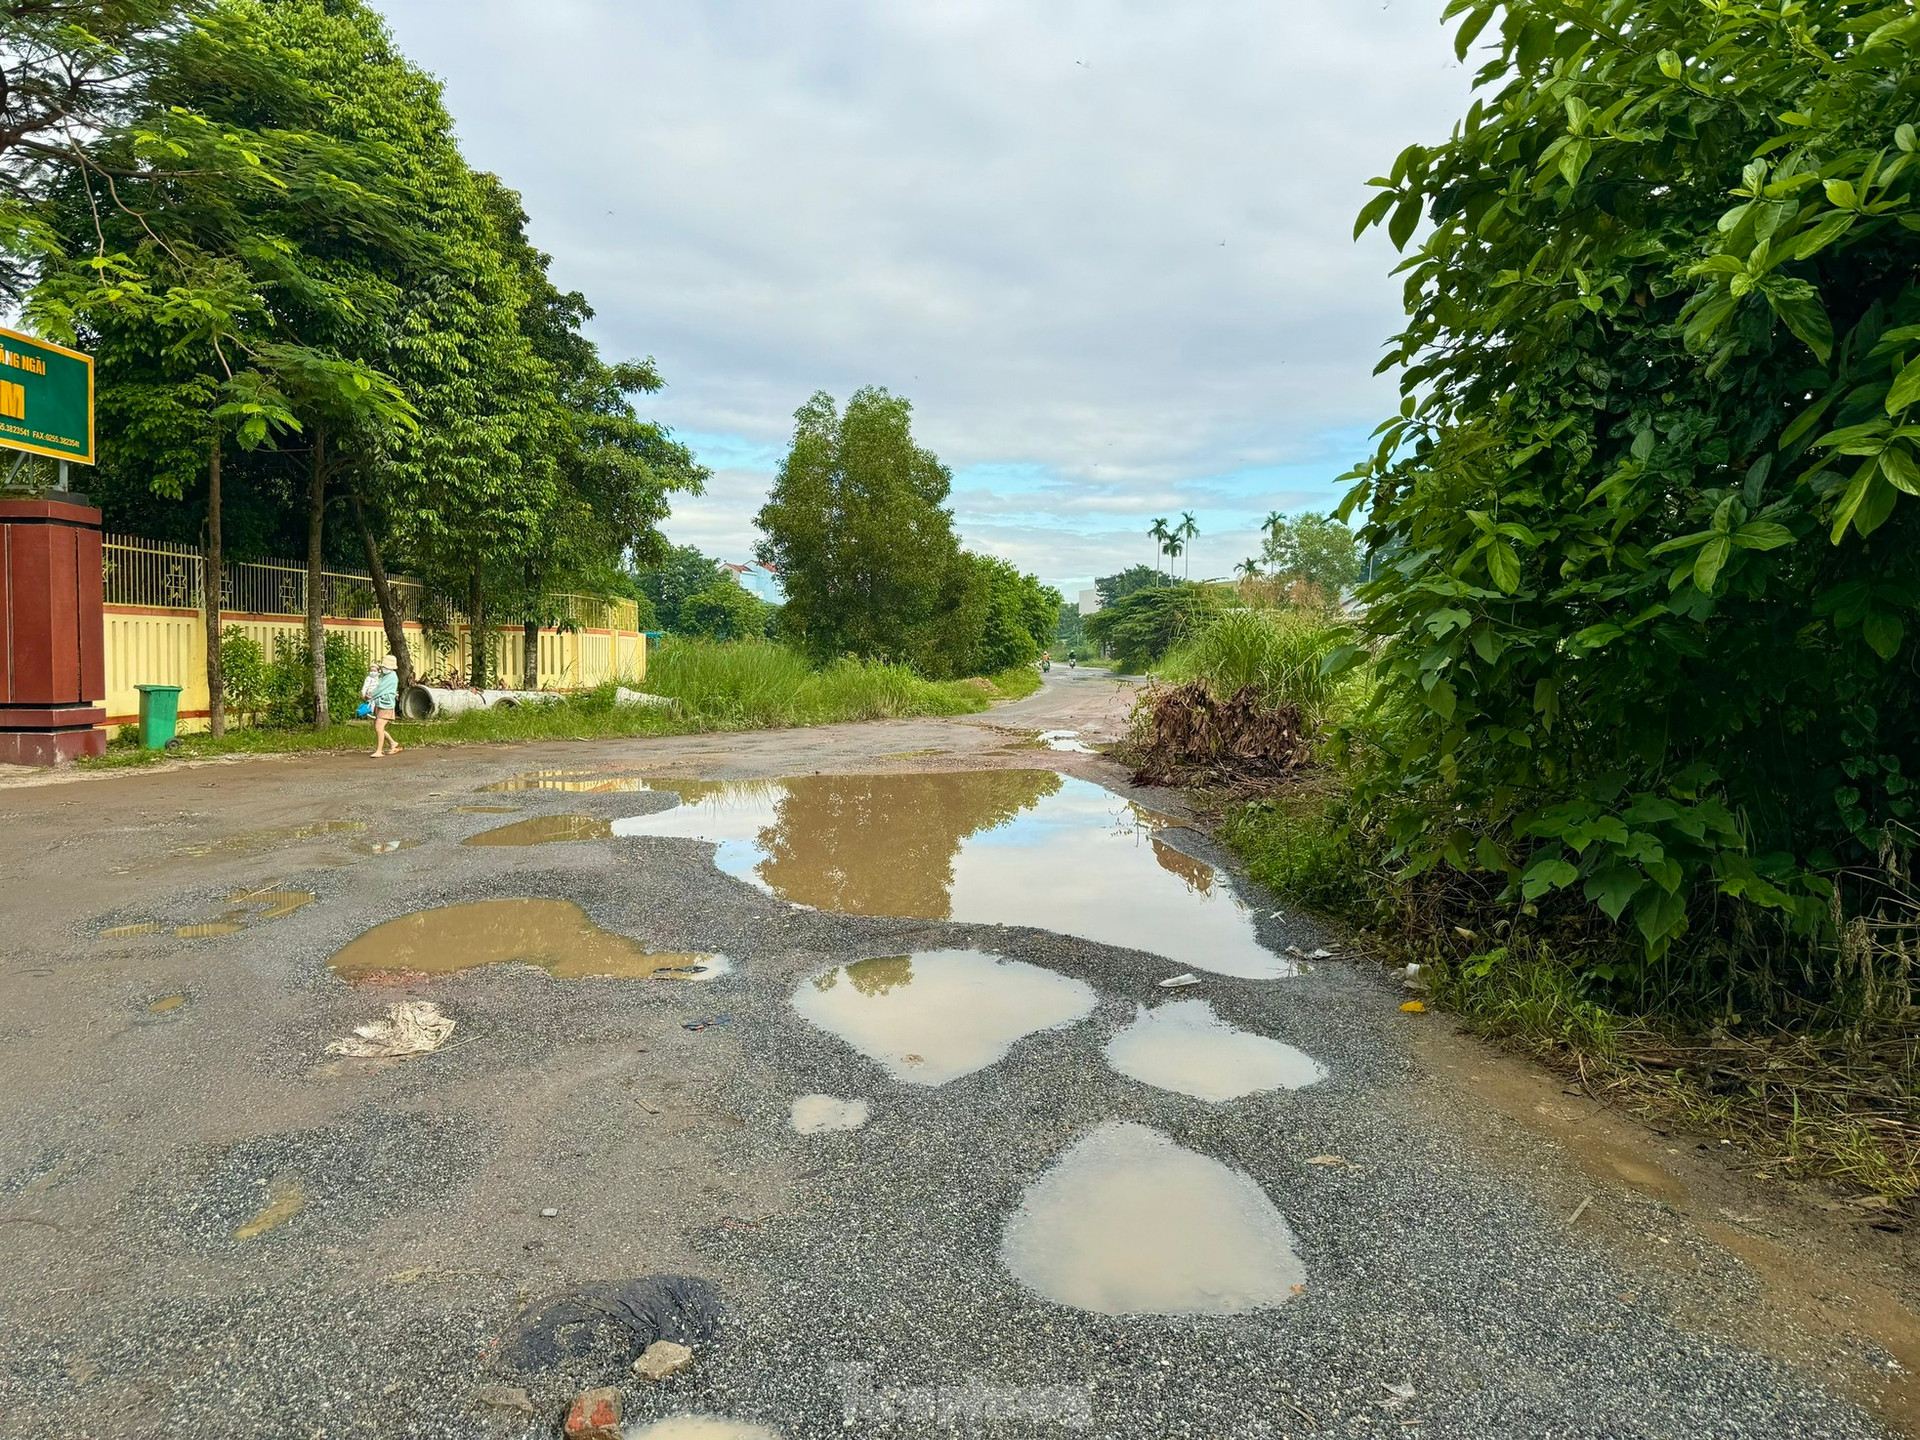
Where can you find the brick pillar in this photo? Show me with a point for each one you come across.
(52, 631)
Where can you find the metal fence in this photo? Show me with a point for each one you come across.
(167, 574)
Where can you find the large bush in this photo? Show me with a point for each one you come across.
(1646, 634)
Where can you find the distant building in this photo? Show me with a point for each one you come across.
(761, 580)
(1089, 602)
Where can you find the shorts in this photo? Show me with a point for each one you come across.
(383, 714)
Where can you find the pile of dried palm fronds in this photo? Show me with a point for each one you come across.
(1182, 735)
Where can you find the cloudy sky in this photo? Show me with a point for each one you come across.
(1104, 246)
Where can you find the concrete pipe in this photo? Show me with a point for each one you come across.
(431, 702)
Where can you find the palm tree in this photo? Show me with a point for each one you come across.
(1162, 536)
(1247, 569)
(1186, 530)
(1273, 522)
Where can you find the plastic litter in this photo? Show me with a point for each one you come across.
(623, 697)
(1414, 1007)
(618, 1318)
(412, 1027)
(703, 1024)
(1179, 982)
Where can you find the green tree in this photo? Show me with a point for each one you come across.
(1141, 627)
(1315, 548)
(1185, 533)
(856, 527)
(725, 610)
(1645, 624)
(1120, 585)
(679, 573)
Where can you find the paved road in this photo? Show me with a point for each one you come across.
(210, 1227)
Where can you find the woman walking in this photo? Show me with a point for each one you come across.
(385, 693)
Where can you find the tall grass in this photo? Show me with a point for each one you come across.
(1281, 653)
(740, 685)
(757, 684)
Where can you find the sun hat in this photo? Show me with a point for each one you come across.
(387, 662)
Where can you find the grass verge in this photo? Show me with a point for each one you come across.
(741, 686)
(1828, 1104)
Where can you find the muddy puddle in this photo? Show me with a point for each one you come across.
(1126, 1222)
(590, 782)
(1183, 1046)
(997, 847)
(932, 1017)
(544, 830)
(266, 839)
(284, 1200)
(819, 1114)
(555, 935)
(244, 908)
(486, 809)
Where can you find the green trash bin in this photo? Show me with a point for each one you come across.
(159, 715)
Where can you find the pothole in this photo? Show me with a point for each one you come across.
(1126, 1222)
(555, 935)
(544, 830)
(995, 847)
(932, 1017)
(1183, 1046)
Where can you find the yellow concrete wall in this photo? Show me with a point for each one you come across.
(154, 645)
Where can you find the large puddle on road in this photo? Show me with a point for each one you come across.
(932, 1017)
(1126, 1222)
(996, 847)
(544, 830)
(590, 782)
(556, 935)
(1184, 1046)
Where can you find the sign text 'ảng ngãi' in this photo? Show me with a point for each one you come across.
(46, 398)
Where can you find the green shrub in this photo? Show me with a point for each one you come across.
(245, 676)
(1297, 848)
(1140, 628)
(288, 691)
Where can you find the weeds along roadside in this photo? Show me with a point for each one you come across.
(1725, 1034)
(716, 686)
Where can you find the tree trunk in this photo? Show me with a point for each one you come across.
(383, 592)
(530, 643)
(476, 631)
(210, 596)
(316, 534)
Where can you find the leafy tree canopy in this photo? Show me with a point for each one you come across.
(1314, 548)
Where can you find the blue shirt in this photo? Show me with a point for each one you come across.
(387, 690)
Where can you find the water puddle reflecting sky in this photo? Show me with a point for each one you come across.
(556, 935)
(1185, 1047)
(1126, 1222)
(933, 1017)
(1067, 740)
(1011, 847)
(589, 782)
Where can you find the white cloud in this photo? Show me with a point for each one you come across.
(1103, 245)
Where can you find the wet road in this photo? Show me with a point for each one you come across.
(873, 1041)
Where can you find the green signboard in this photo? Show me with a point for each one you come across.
(46, 398)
